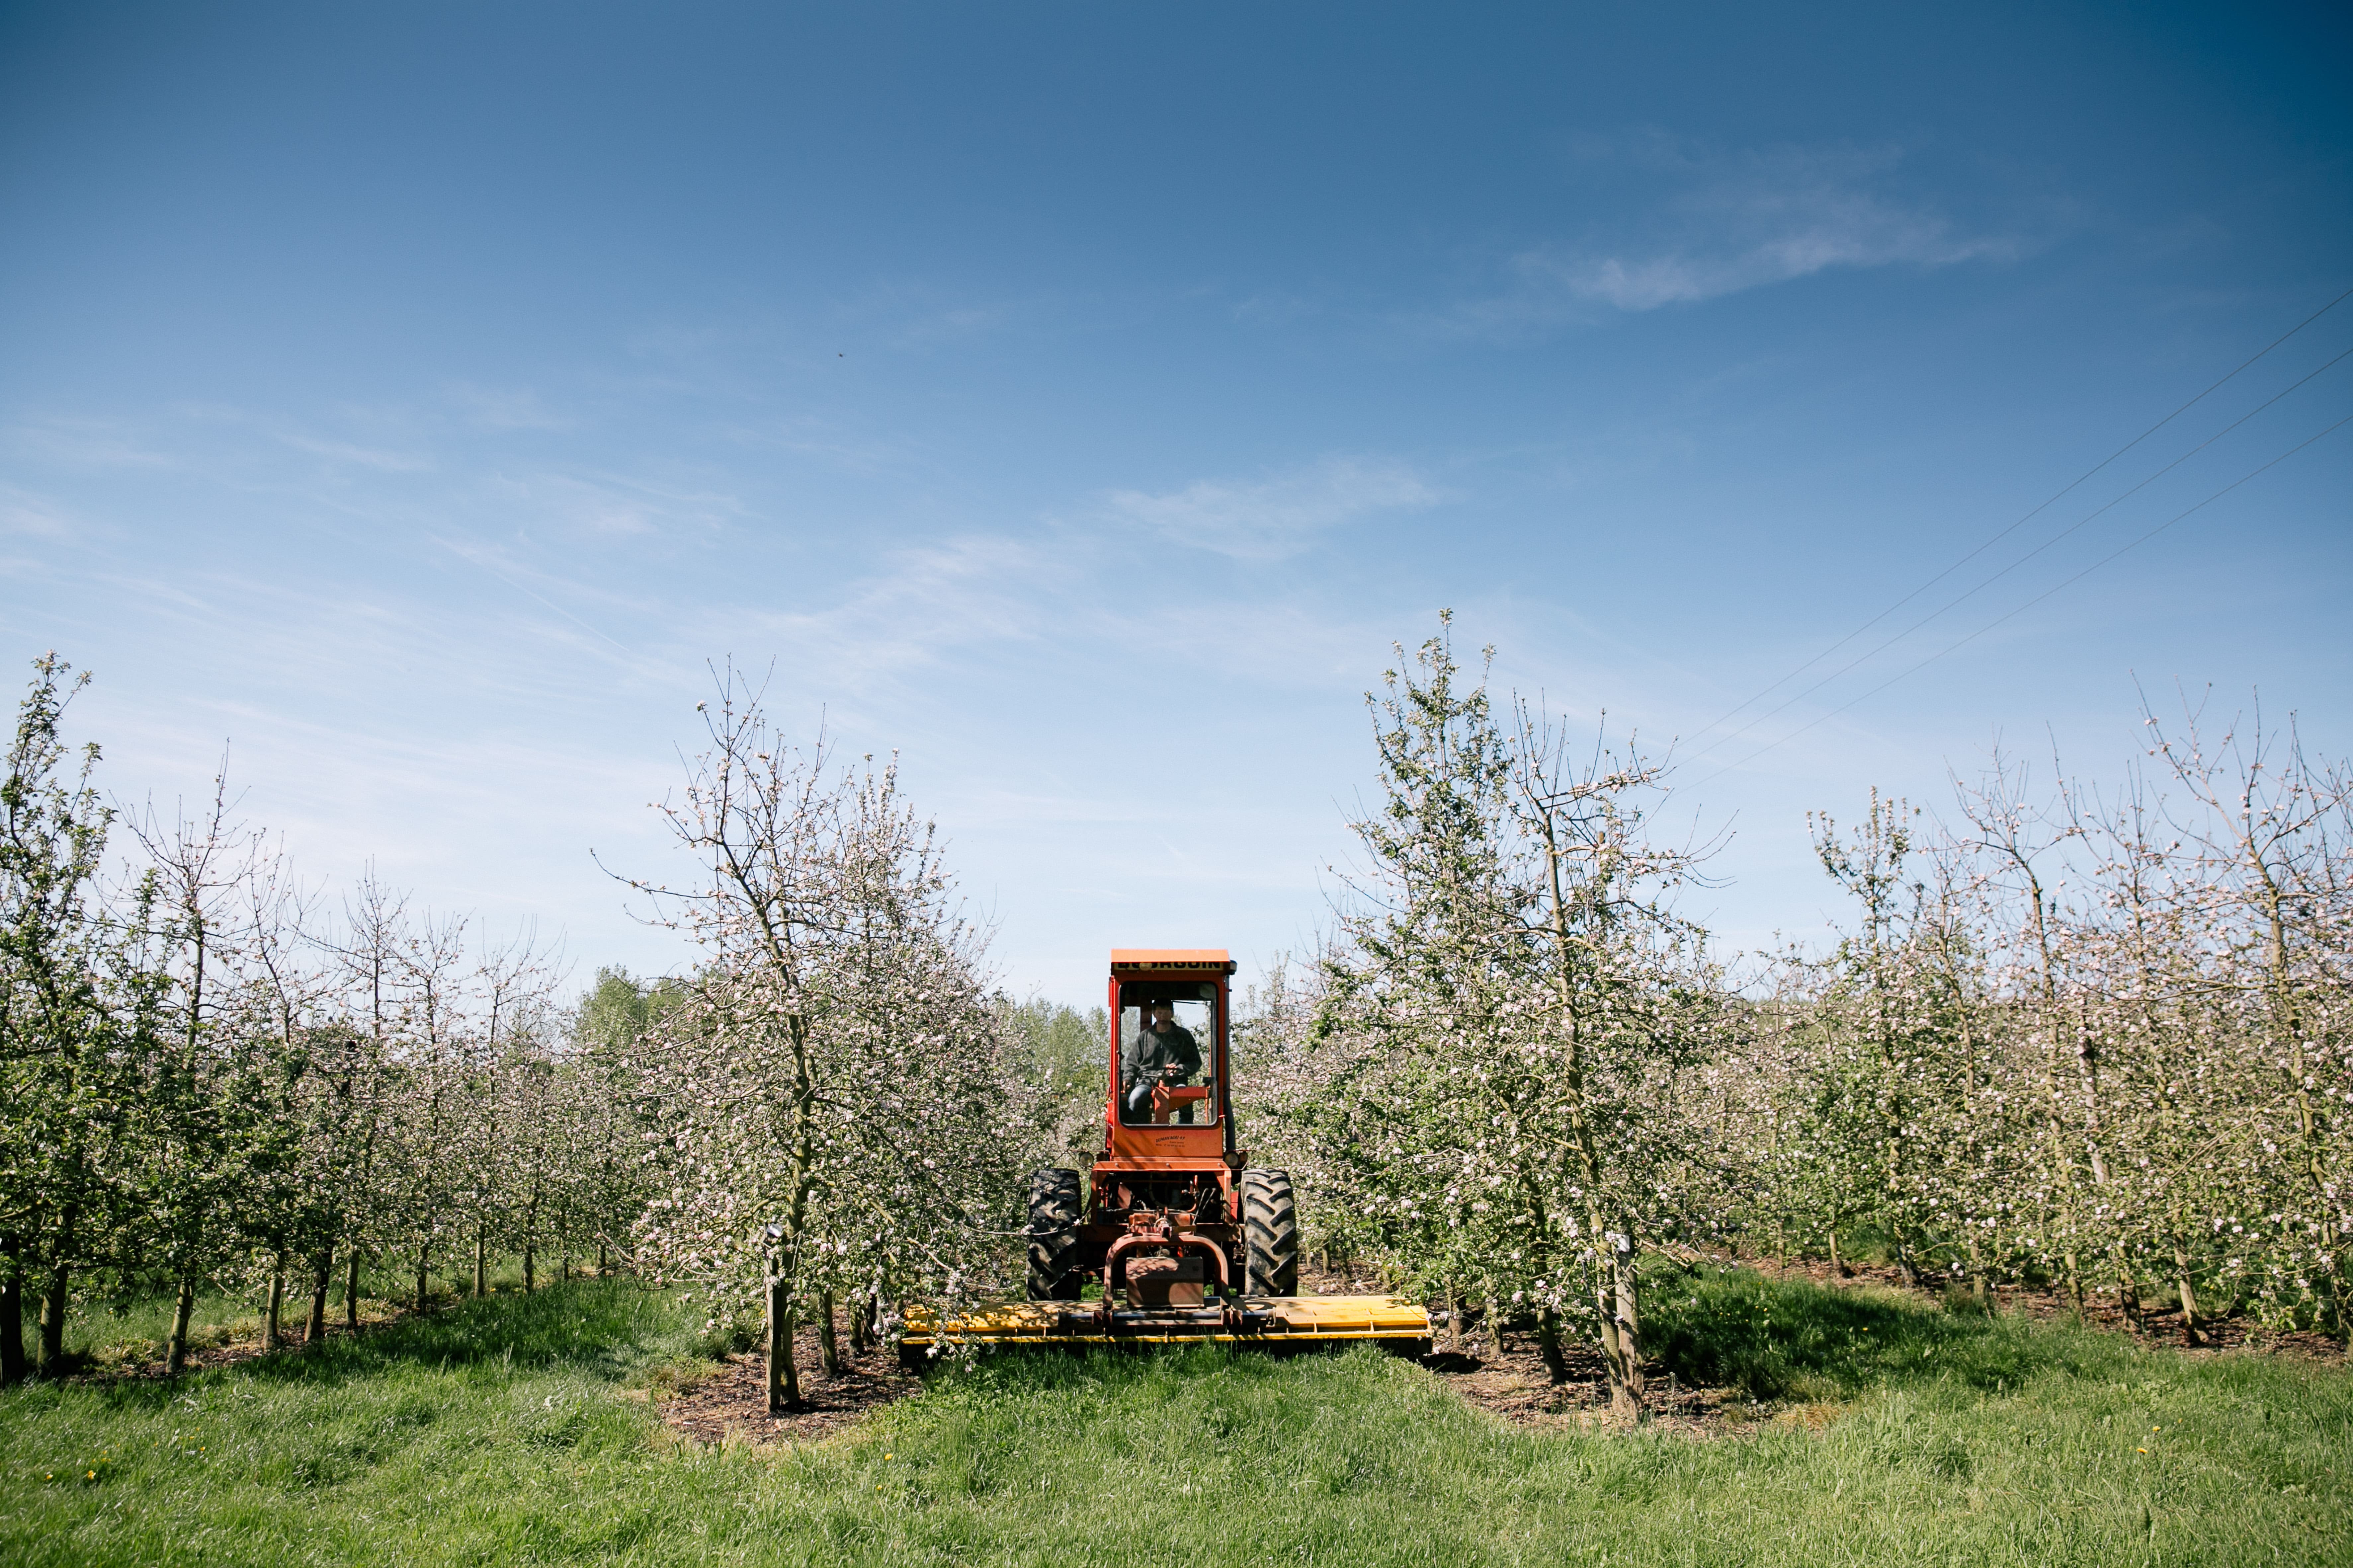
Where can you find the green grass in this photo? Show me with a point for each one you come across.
(105, 1334)
(496, 1432)
(1786, 1339)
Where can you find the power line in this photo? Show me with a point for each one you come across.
(1988, 583)
(2056, 497)
(2030, 604)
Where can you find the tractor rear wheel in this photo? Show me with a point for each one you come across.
(1270, 1219)
(1054, 1235)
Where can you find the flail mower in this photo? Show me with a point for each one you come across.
(1180, 1237)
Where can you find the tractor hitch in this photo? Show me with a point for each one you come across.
(1161, 1265)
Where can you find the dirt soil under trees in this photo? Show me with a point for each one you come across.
(1503, 1373)
(731, 1401)
(731, 1405)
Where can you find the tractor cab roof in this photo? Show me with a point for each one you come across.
(1166, 959)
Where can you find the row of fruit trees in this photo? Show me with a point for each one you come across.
(217, 1078)
(2095, 1041)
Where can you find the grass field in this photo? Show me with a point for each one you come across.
(502, 1431)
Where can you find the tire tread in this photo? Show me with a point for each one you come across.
(1271, 1223)
(1053, 1235)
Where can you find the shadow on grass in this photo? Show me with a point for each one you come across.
(1791, 1339)
(602, 1328)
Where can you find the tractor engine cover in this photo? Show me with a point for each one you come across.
(1165, 1281)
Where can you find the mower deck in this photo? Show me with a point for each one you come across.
(1264, 1321)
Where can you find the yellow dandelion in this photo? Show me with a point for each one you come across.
(2141, 1450)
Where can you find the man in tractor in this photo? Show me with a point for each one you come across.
(1163, 1052)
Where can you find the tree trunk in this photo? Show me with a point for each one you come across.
(1454, 1321)
(12, 1327)
(783, 1377)
(601, 1263)
(352, 1291)
(323, 1272)
(1623, 1339)
(424, 1255)
(481, 1265)
(829, 1349)
(270, 1338)
(1494, 1328)
(529, 1283)
(52, 1350)
(2191, 1335)
(1548, 1344)
(861, 1316)
(176, 1348)
(1838, 1269)
(1587, 1151)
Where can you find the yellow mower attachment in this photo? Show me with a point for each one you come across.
(1257, 1323)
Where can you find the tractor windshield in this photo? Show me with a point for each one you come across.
(1167, 1055)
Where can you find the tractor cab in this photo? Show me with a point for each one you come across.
(1168, 1118)
(1167, 1054)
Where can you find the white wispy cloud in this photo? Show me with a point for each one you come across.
(1273, 518)
(488, 409)
(1706, 225)
(913, 317)
(923, 602)
(74, 443)
(22, 511)
(611, 505)
(382, 441)
(836, 443)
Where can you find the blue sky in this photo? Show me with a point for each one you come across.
(418, 398)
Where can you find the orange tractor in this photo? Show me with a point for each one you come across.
(1178, 1236)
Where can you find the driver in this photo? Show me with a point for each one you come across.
(1163, 1052)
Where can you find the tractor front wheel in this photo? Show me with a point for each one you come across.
(1054, 1235)
(1270, 1218)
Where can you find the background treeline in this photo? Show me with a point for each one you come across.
(2095, 1040)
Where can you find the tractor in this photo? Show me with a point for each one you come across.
(1173, 1216)
(1181, 1237)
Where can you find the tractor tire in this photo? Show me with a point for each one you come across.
(1054, 1235)
(1270, 1219)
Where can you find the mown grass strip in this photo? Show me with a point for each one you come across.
(495, 1434)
